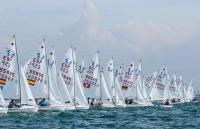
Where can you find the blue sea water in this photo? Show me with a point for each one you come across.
(182, 116)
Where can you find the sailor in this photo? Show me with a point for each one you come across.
(92, 102)
(43, 102)
(167, 102)
(13, 104)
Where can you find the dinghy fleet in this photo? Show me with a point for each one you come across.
(44, 85)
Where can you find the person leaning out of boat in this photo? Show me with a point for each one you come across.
(167, 102)
(43, 102)
(13, 104)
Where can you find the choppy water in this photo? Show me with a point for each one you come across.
(183, 116)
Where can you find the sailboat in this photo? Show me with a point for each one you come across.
(158, 88)
(173, 88)
(129, 86)
(73, 80)
(190, 92)
(114, 85)
(95, 85)
(180, 89)
(69, 104)
(167, 99)
(56, 84)
(106, 99)
(185, 95)
(140, 95)
(16, 91)
(39, 77)
(149, 82)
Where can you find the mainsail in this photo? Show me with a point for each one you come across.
(128, 83)
(37, 74)
(9, 77)
(173, 87)
(150, 81)
(81, 69)
(159, 86)
(110, 78)
(53, 77)
(166, 91)
(91, 81)
(190, 91)
(180, 88)
(67, 71)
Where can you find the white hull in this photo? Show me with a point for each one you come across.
(166, 106)
(82, 107)
(195, 101)
(24, 109)
(177, 103)
(120, 105)
(3, 110)
(52, 108)
(69, 107)
(107, 105)
(139, 105)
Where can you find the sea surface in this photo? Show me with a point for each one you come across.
(182, 116)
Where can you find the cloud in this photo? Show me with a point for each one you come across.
(157, 38)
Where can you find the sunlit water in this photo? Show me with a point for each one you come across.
(183, 116)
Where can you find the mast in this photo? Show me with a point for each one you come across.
(47, 68)
(19, 82)
(100, 78)
(74, 81)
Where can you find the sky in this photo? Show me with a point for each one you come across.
(160, 32)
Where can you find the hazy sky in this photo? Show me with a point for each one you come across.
(158, 31)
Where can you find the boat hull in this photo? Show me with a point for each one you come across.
(24, 109)
(120, 105)
(3, 110)
(166, 106)
(107, 105)
(53, 108)
(82, 107)
(69, 107)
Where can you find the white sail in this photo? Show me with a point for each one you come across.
(36, 73)
(140, 91)
(190, 91)
(166, 92)
(180, 88)
(119, 94)
(64, 90)
(55, 91)
(106, 98)
(110, 77)
(150, 81)
(185, 95)
(67, 72)
(128, 83)
(26, 94)
(145, 95)
(53, 98)
(159, 86)
(81, 69)
(91, 81)
(80, 95)
(173, 88)
(9, 79)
